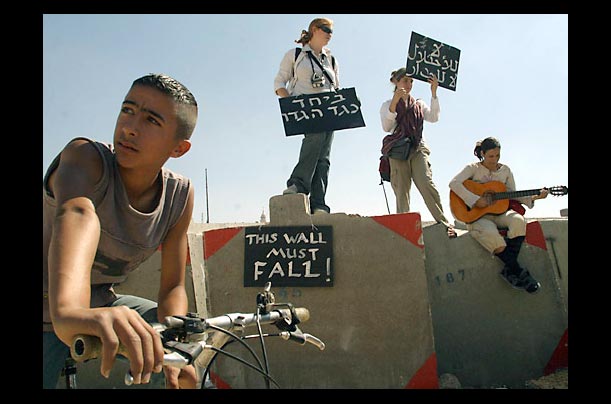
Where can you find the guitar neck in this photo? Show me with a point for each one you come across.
(515, 194)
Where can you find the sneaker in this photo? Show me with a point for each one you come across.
(530, 284)
(513, 279)
(318, 211)
(524, 281)
(290, 190)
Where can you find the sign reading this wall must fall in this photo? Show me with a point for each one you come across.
(321, 112)
(427, 56)
(288, 256)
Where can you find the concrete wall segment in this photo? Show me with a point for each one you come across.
(487, 333)
(375, 320)
(430, 305)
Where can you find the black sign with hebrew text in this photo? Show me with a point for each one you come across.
(322, 112)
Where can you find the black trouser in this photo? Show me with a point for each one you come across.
(510, 254)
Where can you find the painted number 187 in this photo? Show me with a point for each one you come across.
(450, 277)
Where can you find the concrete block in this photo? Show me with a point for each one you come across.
(556, 232)
(487, 333)
(375, 319)
(289, 210)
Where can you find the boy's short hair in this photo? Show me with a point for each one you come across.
(187, 105)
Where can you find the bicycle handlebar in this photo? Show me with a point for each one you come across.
(85, 347)
(228, 321)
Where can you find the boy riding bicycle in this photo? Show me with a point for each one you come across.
(106, 209)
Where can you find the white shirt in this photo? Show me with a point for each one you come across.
(389, 119)
(301, 83)
(478, 173)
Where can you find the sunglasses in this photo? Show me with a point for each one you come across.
(326, 29)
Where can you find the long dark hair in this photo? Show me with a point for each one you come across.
(482, 146)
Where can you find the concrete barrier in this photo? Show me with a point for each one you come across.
(487, 333)
(556, 233)
(392, 318)
(375, 319)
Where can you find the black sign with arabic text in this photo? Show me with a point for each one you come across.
(427, 56)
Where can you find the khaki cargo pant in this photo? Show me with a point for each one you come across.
(416, 168)
(486, 229)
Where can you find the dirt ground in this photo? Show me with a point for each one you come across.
(556, 380)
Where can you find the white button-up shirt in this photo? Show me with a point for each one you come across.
(301, 82)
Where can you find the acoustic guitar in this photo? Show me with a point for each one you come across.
(498, 199)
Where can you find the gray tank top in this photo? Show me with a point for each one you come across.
(128, 237)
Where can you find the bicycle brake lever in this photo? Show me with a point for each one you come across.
(314, 341)
(173, 359)
(266, 299)
(301, 338)
(128, 379)
(182, 353)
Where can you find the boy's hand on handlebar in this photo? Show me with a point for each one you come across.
(176, 378)
(142, 344)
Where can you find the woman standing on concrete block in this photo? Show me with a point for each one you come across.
(310, 70)
(403, 118)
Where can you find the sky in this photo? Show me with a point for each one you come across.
(512, 83)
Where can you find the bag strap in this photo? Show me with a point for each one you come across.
(293, 80)
(298, 51)
(321, 68)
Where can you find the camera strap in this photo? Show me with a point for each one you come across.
(321, 68)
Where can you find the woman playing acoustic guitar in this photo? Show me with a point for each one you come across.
(485, 228)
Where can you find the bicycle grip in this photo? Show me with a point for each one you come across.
(302, 313)
(85, 347)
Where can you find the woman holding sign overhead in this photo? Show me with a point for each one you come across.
(310, 69)
(403, 117)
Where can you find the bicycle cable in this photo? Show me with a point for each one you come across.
(238, 339)
(263, 350)
(250, 365)
(246, 337)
